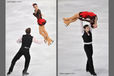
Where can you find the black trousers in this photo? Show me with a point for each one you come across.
(89, 52)
(21, 52)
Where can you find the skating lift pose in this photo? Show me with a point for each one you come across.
(87, 39)
(83, 16)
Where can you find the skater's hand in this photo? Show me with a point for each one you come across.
(19, 40)
(37, 41)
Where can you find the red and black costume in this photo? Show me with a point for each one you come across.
(90, 15)
(40, 20)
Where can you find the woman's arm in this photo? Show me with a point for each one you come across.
(82, 19)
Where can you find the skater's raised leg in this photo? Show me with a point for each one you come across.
(45, 34)
(42, 33)
(48, 38)
(69, 20)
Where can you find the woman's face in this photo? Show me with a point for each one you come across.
(35, 6)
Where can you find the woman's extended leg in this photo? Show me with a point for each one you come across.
(69, 20)
(48, 38)
(45, 34)
(42, 33)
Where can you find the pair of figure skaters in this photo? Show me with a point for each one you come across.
(87, 35)
(87, 38)
(28, 39)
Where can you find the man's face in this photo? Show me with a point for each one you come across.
(87, 28)
(35, 7)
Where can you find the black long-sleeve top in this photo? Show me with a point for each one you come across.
(38, 15)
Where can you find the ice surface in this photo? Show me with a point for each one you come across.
(72, 58)
(19, 16)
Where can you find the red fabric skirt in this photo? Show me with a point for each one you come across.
(85, 14)
(41, 22)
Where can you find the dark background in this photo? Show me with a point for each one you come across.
(2, 37)
(111, 37)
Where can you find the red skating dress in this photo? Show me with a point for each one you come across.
(90, 15)
(40, 20)
(86, 14)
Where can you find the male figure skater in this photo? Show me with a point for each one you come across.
(87, 38)
(26, 41)
(83, 16)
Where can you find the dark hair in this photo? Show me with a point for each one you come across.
(34, 4)
(85, 26)
(28, 30)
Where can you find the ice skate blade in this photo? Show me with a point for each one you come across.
(66, 25)
(25, 74)
(51, 43)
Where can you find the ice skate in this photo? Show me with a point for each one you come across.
(8, 74)
(50, 42)
(67, 22)
(25, 73)
(93, 74)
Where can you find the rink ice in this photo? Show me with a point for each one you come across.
(71, 55)
(19, 16)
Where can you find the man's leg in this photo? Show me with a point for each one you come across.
(27, 61)
(87, 66)
(89, 52)
(17, 56)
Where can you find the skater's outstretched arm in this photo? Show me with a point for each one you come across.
(82, 19)
(34, 40)
(82, 29)
(19, 40)
(37, 41)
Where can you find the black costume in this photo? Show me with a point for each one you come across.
(87, 38)
(40, 20)
(24, 50)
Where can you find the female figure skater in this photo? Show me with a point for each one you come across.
(41, 23)
(87, 38)
(26, 41)
(83, 16)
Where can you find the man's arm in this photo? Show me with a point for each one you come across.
(37, 41)
(82, 29)
(19, 40)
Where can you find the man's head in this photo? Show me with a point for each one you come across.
(86, 28)
(28, 30)
(35, 6)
